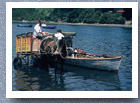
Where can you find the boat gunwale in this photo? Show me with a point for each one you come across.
(79, 58)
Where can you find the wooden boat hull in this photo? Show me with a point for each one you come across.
(24, 25)
(109, 64)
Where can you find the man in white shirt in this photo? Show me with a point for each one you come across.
(58, 36)
(37, 30)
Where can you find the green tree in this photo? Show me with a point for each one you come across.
(73, 15)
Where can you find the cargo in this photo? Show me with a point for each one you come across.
(18, 44)
(29, 43)
(36, 45)
(24, 42)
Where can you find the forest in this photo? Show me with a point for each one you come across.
(74, 15)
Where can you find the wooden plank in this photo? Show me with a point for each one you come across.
(18, 44)
(23, 45)
(36, 45)
(29, 43)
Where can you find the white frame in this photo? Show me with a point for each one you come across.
(72, 94)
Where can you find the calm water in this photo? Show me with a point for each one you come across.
(96, 40)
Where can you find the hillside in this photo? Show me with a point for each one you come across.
(74, 15)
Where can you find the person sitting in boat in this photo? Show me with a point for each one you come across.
(38, 31)
(78, 50)
(75, 50)
(58, 37)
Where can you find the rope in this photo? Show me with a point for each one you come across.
(49, 47)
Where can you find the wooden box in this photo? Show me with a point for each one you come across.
(18, 44)
(29, 39)
(36, 45)
(24, 43)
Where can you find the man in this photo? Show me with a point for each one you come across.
(58, 36)
(38, 31)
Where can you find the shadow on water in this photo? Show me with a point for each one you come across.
(71, 79)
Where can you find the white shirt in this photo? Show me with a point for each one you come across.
(37, 29)
(59, 36)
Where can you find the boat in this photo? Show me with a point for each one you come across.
(48, 27)
(24, 25)
(96, 62)
(24, 21)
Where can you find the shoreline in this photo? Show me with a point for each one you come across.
(84, 24)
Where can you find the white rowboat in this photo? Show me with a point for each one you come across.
(98, 62)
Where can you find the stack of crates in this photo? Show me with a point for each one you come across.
(24, 43)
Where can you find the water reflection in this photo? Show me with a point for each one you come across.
(34, 79)
(92, 80)
(71, 79)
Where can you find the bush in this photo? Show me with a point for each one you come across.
(105, 18)
(110, 18)
(93, 17)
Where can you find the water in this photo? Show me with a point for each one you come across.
(96, 40)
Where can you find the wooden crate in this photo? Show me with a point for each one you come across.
(18, 44)
(24, 43)
(36, 45)
(29, 39)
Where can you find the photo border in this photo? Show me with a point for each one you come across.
(72, 94)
